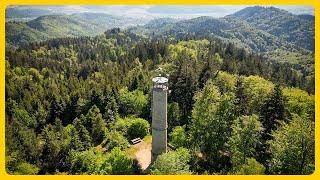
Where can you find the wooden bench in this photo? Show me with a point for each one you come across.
(135, 141)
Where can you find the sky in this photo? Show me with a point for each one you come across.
(179, 11)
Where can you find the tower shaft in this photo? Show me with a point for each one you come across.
(159, 119)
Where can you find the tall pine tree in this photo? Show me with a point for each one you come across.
(241, 99)
(271, 112)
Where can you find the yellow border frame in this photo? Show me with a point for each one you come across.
(5, 3)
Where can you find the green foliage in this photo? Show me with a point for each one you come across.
(212, 117)
(299, 102)
(73, 103)
(292, 147)
(172, 163)
(272, 111)
(22, 144)
(225, 81)
(183, 81)
(210, 68)
(111, 109)
(36, 76)
(75, 142)
(26, 169)
(257, 90)
(282, 55)
(252, 167)
(293, 28)
(23, 117)
(116, 139)
(178, 137)
(13, 166)
(136, 78)
(57, 141)
(94, 161)
(83, 133)
(241, 98)
(87, 162)
(245, 136)
(131, 103)
(96, 125)
(120, 162)
(138, 128)
(46, 27)
(121, 126)
(174, 115)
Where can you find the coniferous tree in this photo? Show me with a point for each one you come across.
(241, 99)
(272, 111)
(183, 84)
(134, 85)
(111, 111)
(75, 141)
(83, 133)
(210, 69)
(52, 149)
(56, 108)
(174, 115)
(96, 124)
(73, 109)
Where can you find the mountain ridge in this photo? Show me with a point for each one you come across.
(267, 30)
(296, 29)
(61, 25)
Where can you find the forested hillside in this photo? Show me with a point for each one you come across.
(74, 103)
(57, 26)
(276, 34)
(296, 29)
(15, 13)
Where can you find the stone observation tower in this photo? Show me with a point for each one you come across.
(159, 117)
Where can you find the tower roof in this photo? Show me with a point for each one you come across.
(160, 80)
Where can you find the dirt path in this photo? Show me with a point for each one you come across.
(144, 158)
(142, 152)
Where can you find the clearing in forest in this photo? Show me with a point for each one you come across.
(142, 152)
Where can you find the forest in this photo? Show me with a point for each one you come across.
(73, 105)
